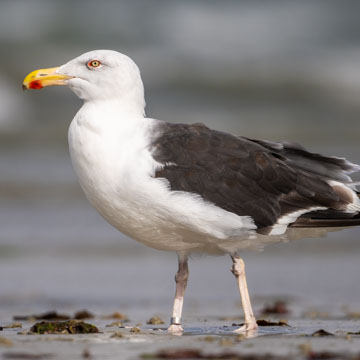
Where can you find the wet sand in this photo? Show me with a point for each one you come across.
(210, 338)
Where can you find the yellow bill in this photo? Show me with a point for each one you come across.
(44, 77)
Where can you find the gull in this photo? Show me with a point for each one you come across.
(187, 188)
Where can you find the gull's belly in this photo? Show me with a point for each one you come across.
(134, 211)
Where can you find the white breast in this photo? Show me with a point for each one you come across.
(116, 169)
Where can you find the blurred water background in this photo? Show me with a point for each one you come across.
(264, 69)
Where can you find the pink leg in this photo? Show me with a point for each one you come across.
(181, 278)
(238, 269)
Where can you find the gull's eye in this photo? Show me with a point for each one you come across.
(93, 64)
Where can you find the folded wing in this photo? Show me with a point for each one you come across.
(276, 184)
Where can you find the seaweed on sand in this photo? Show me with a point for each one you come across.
(63, 327)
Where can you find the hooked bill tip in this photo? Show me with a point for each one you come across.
(24, 87)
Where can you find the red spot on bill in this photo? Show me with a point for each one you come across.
(36, 84)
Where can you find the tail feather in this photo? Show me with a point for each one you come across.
(314, 222)
(327, 218)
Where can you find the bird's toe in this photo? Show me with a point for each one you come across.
(175, 329)
(247, 328)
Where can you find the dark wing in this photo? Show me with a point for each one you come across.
(239, 175)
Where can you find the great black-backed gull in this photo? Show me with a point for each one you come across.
(187, 188)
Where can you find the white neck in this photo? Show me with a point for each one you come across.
(127, 106)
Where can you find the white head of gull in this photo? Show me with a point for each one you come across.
(187, 188)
